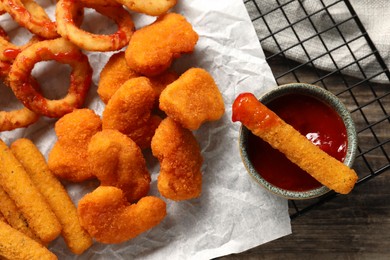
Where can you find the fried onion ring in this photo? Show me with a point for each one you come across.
(8, 50)
(10, 120)
(67, 10)
(32, 16)
(153, 8)
(59, 50)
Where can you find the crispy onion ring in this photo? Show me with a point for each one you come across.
(153, 8)
(59, 50)
(10, 120)
(32, 16)
(66, 11)
(2, 9)
(8, 50)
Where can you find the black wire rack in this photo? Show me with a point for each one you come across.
(367, 101)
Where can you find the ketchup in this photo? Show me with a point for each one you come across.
(312, 118)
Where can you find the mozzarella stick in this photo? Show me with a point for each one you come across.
(16, 245)
(265, 124)
(13, 216)
(77, 239)
(18, 185)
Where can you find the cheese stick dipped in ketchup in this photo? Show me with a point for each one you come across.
(265, 124)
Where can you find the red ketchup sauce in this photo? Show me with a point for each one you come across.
(312, 118)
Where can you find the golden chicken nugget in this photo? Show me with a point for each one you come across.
(129, 111)
(265, 124)
(116, 160)
(68, 157)
(114, 74)
(2, 218)
(180, 159)
(110, 219)
(9, 211)
(153, 48)
(161, 81)
(16, 245)
(77, 239)
(18, 185)
(193, 99)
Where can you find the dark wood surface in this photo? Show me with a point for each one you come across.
(353, 226)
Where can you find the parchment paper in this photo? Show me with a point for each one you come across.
(233, 213)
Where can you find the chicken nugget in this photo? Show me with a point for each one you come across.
(110, 219)
(161, 81)
(16, 245)
(18, 185)
(265, 124)
(129, 111)
(116, 160)
(180, 159)
(68, 158)
(77, 239)
(193, 99)
(153, 48)
(116, 72)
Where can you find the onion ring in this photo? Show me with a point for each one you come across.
(66, 11)
(10, 120)
(9, 51)
(153, 8)
(32, 16)
(59, 50)
(2, 9)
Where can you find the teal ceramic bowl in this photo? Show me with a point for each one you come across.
(322, 95)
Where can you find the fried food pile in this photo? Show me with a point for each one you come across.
(147, 105)
(35, 206)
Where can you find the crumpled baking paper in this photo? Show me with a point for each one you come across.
(233, 213)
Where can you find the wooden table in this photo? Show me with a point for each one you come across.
(353, 226)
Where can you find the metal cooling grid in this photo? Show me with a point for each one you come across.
(368, 102)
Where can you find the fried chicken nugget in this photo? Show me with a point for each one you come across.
(77, 239)
(152, 48)
(116, 160)
(18, 185)
(116, 72)
(129, 111)
(180, 159)
(68, 158)
(113, 75)
(193, 99)
(110, 219)
(16, 245)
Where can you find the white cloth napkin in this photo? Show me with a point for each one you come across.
(374, 15)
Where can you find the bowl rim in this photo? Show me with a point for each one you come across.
(323, 95)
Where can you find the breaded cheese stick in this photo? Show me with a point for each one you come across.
(16, 245)
(77, 239)
(281, 136)
(18, 185)
(13, 216)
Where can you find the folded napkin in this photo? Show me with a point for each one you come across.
(343, 42)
